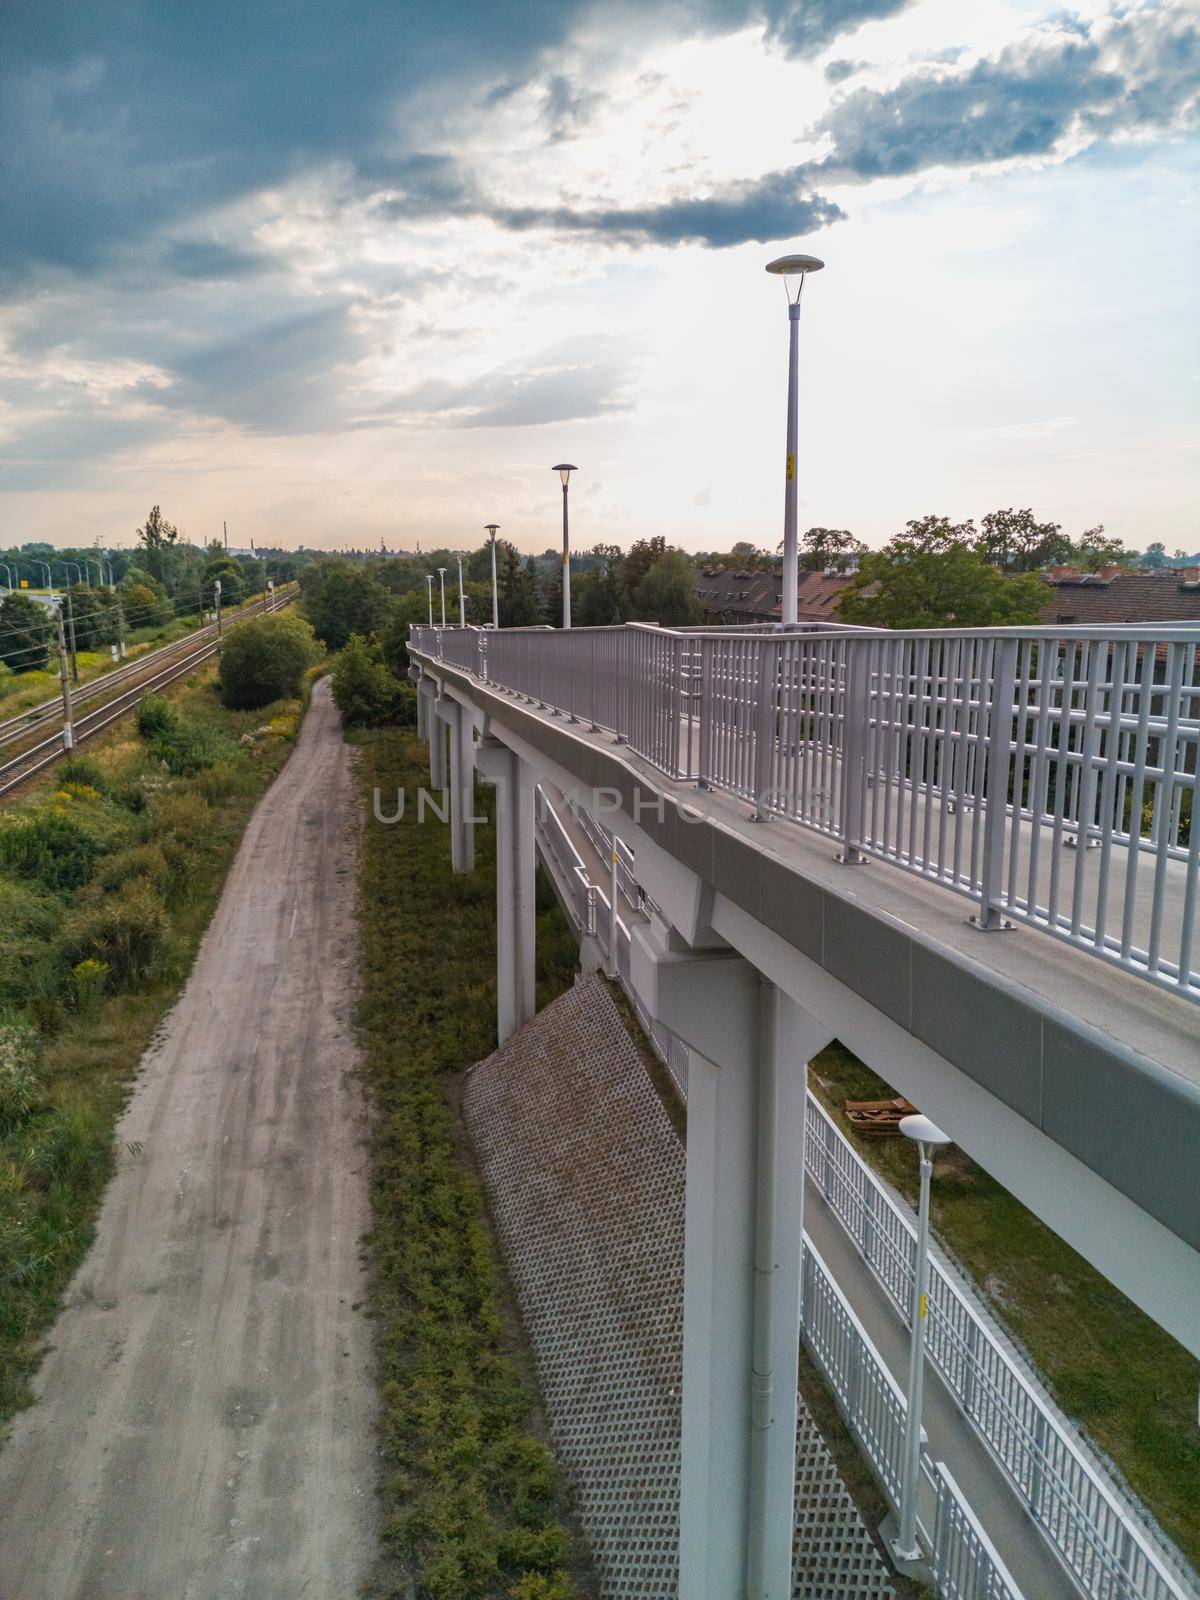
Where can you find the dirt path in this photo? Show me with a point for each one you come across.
(204, 1420)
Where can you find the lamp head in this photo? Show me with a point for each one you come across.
(794, 270)
(493, 528)
(923, 1132)
(564, 470)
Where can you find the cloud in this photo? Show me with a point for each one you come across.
(1035, 98)
(767, 208)
(560, 386)
(838, 71)
(806, 27)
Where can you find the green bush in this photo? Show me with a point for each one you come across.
(365, 691)
(82, 772)
(52, 848)
(125, 931)
(178, 824)
(265, 659)
(156, 716)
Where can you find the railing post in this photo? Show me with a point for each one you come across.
(764, 726)
(704, 772)
(999, 763)
(854, 747)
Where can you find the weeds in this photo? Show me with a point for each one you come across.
(475, 1503)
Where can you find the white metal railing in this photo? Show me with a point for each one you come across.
(1095, 1532)
(965, 1563)
(1046, 774)
(1096, 1536)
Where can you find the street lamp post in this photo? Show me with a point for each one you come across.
(49, 579)
(493, 528)
(442, 583)
(462, 594)
(564, 470)
(429, 585)
(8, 569)
(928, 1138)
(792, 269)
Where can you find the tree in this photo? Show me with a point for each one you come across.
(1095, 549)
(365, 692)
(667, 593)
(827, 547)
(643, 553)
(520, 595)
(596, 599)
(264, 659)
(948, 588)
(144, 606)
(95, 617)
(223, 569)
(158, 538)
(27, 631)
(1017, 542)
(1154, 556)
(340, 599)
(930, 535)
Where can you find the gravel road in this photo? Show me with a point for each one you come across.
(204, 1421)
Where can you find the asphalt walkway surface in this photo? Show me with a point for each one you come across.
(204, 1420)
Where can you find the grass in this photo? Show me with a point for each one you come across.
(1129, 1385)
(56, 1147)
(474, 1503)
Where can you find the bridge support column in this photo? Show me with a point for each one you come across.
(437, 742)
(425, 692)
(462, 786)
(515, 884)
(743, 1224)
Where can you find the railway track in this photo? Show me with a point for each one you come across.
(149, 673)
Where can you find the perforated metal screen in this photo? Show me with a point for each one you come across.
(585, 1180)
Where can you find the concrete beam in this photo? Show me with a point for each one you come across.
(516, 862)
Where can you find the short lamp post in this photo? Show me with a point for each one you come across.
(564, 470)
(793, 270)
(462, 593)
(442, 582)
(429, 582)
(905, 1549)
(492, 529)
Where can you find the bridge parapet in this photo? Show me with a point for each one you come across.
(1047, 775)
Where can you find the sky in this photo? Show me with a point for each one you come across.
(343, 272)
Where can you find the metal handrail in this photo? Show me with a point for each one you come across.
(970, 758)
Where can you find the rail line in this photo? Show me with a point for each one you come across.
(28, 763)
(21, 723)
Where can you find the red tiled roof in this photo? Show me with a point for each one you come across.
(1086, 598)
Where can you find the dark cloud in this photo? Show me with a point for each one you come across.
(767, 208)
(806, 27)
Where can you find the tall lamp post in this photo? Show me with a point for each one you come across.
(8, 570)
(793, 270)
(928, 1138)
(564, 470)
(493, 528)
(442, 581)
(429, 582)
(462, 593)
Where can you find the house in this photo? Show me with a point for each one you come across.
(733, 595)
(1095, 599)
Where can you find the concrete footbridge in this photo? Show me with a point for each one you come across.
(969, 857)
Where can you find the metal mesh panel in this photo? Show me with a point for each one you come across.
(585, 1180)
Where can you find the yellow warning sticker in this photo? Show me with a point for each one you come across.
(791, 470)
